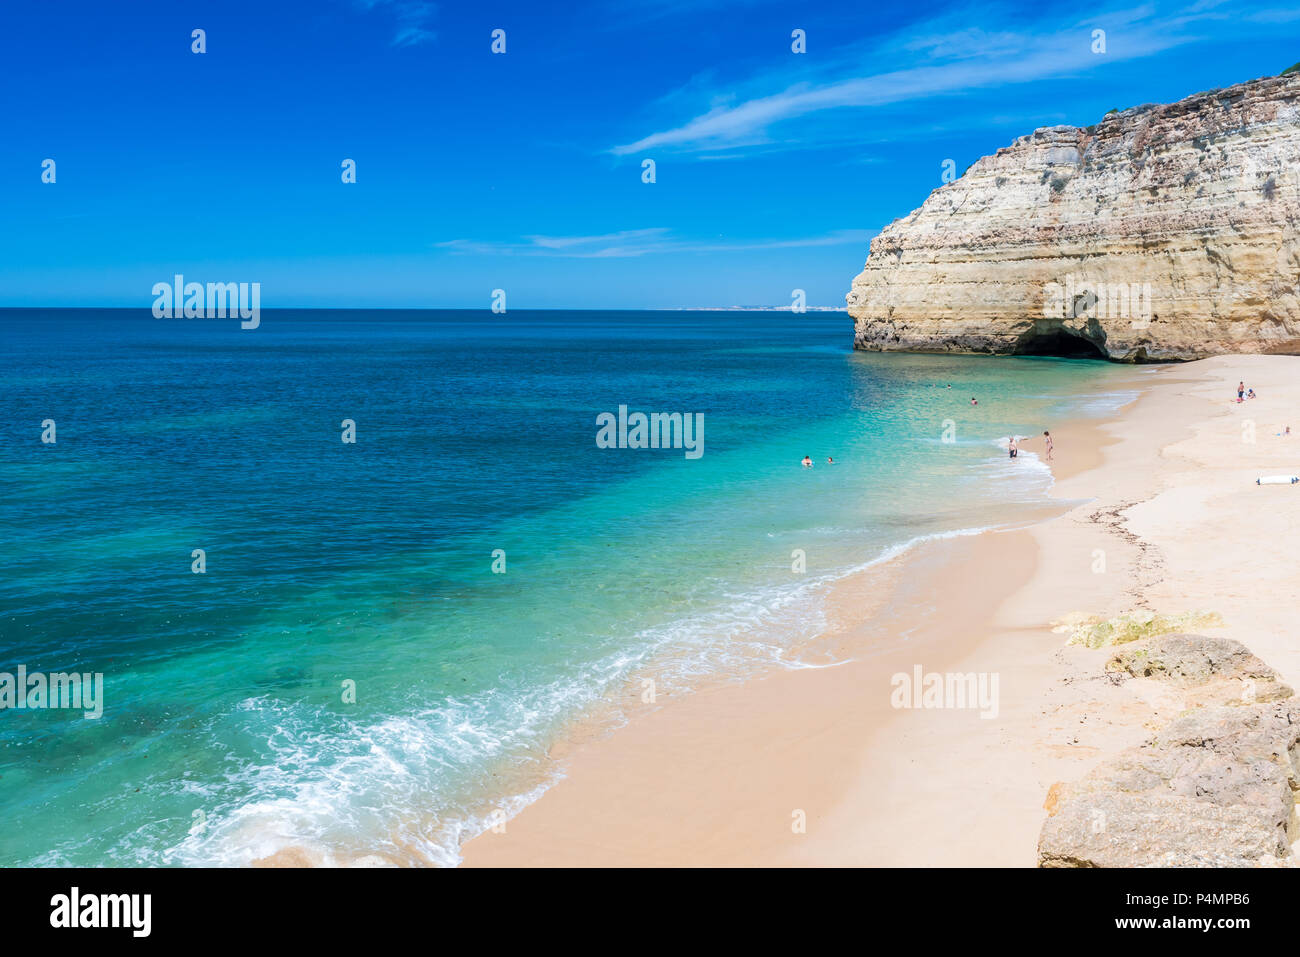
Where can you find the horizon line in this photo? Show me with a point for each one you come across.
(482, 308)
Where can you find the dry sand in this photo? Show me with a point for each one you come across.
(1165, 516)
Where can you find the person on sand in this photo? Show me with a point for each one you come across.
(1241, 390)
(1250, 394)
(1012, 447)
(807, 462)
(1047, 437)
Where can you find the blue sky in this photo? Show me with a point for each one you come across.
(523, 171)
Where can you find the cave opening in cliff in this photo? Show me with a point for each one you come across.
(1060, 344)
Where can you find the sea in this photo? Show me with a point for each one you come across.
(349, 576)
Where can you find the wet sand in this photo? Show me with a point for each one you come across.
(1165, 516)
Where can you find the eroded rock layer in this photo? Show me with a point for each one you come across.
(1214, 788)
(1164, 232)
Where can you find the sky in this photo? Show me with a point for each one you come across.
(523, 170)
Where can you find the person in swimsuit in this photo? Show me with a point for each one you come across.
(1012, 447)
(1048, 437)
(807, 462)
(1241, 390)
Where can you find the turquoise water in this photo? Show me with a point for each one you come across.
(225, 734)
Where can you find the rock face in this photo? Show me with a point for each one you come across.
(1216, 787)
(1209, 671)
(1164, 232)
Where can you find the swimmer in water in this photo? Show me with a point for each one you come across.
(973, 401)
(807, 462)
(829, 460)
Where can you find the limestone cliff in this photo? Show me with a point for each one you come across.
(1161, 233)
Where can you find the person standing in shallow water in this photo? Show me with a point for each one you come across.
(1047, 437)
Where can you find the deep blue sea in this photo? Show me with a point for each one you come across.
(229, 729)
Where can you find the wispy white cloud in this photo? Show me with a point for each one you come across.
(641, 242)
(412, 18)
(942, 57)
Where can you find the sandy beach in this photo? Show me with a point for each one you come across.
(1159, 512)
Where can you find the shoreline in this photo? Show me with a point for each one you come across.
(716, 777)
(1166, 518)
